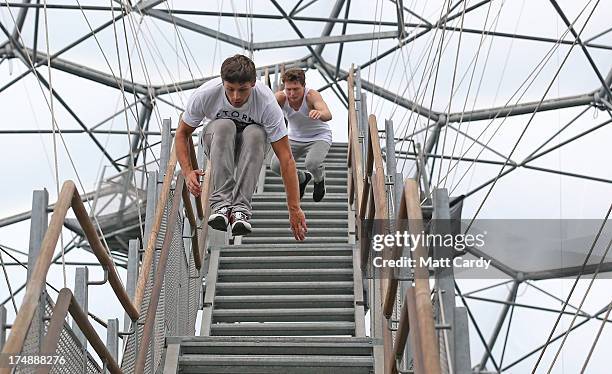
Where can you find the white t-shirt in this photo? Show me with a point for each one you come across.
(302, 128)
(209, 101)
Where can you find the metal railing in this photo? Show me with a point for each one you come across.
(182, 288)
(69, 198)
(168, 305)
(367, 190)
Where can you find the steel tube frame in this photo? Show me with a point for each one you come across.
(510, 300)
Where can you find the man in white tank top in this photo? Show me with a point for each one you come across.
(244, 117)
(309, 134)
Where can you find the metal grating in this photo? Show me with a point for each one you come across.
(131, 347)
(77, 360)
(178, 302)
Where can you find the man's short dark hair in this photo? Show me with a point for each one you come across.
(294, 75)
(238, 69)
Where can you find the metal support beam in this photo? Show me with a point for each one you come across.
(559, 336)
(38, 226)
(500, 322)
(166, 146)
(462, 342)
(605, 85)
(399, 10)
(391, 96)
(324, 40)
(198, 28)
(81, 279)
(391, 168)
(78, 120)
(132, 273)
(444, 276)
(329, 26)
(2, 326)
(341, 48)
(21, 17)
(315, 54)
(195, 83)
(112, 338)
(88, 73)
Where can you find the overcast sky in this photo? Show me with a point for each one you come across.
(503, 64)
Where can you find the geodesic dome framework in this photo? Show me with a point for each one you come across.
(508, 102)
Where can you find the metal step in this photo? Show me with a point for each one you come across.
(306, 205)
(284, 315)
(271, 364)
(286, 262)
(329, 182)
(284, 275)
(310, 214)
(282, 329)
(271, 187)
(241, 251)
(283, 288)
(255, 247)
(291, 240)
(312, 222)
(272, 232)
(283, 301)
(334, 173)
(285, 345)
(280, 196)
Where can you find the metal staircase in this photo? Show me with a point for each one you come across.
(327, 220)
(273, 305)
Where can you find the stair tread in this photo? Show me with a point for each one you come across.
(277, 360)
(286, 259)
(283, 271)
(308, 241)
(306, 340)
(326, 284)
(255, 246)
(284, 311)
(283, 325)
(312, 298)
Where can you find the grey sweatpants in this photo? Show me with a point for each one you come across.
(315, 154)
(229, 150)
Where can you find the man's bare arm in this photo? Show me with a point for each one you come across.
(320, 110)
(192, 177)
(280, 98)
(297, 219)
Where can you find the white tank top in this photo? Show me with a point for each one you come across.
(302, 128)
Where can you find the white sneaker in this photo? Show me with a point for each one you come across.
(219, 219)
(240, 224)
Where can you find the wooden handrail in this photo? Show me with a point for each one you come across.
(56, 325)
(159, 279)
(102, 255)
(88, 330)
(381, 213)
(370, 197)
(68, 197)
(194, 165)
(195, 246)
(355, 149)
(204, 202)
(149, 253)
(66, 303)
(421, 318)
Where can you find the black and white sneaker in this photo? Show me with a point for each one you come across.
(307, 178)
(240, 224)
(219, 219)
(319, 190)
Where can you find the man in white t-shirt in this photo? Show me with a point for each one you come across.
(244, 117)
(309, 134)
